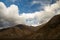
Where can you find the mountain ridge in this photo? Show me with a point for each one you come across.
(50, 30)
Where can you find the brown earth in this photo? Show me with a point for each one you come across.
(50, 30)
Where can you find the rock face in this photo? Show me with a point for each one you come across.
(50, 30)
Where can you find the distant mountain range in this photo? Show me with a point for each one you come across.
(50, 30)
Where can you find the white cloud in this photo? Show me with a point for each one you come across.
(10, 16)
(42, 2)
(35, 2)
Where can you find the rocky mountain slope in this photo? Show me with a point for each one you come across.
(50, 30)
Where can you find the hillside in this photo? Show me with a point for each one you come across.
(50, 30)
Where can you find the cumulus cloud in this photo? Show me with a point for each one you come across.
(9, 16)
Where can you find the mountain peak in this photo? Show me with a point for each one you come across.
(50, 30)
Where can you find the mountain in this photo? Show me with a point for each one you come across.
(50, 30)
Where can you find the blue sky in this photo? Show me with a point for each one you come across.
(28, 12)
(28, 6)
